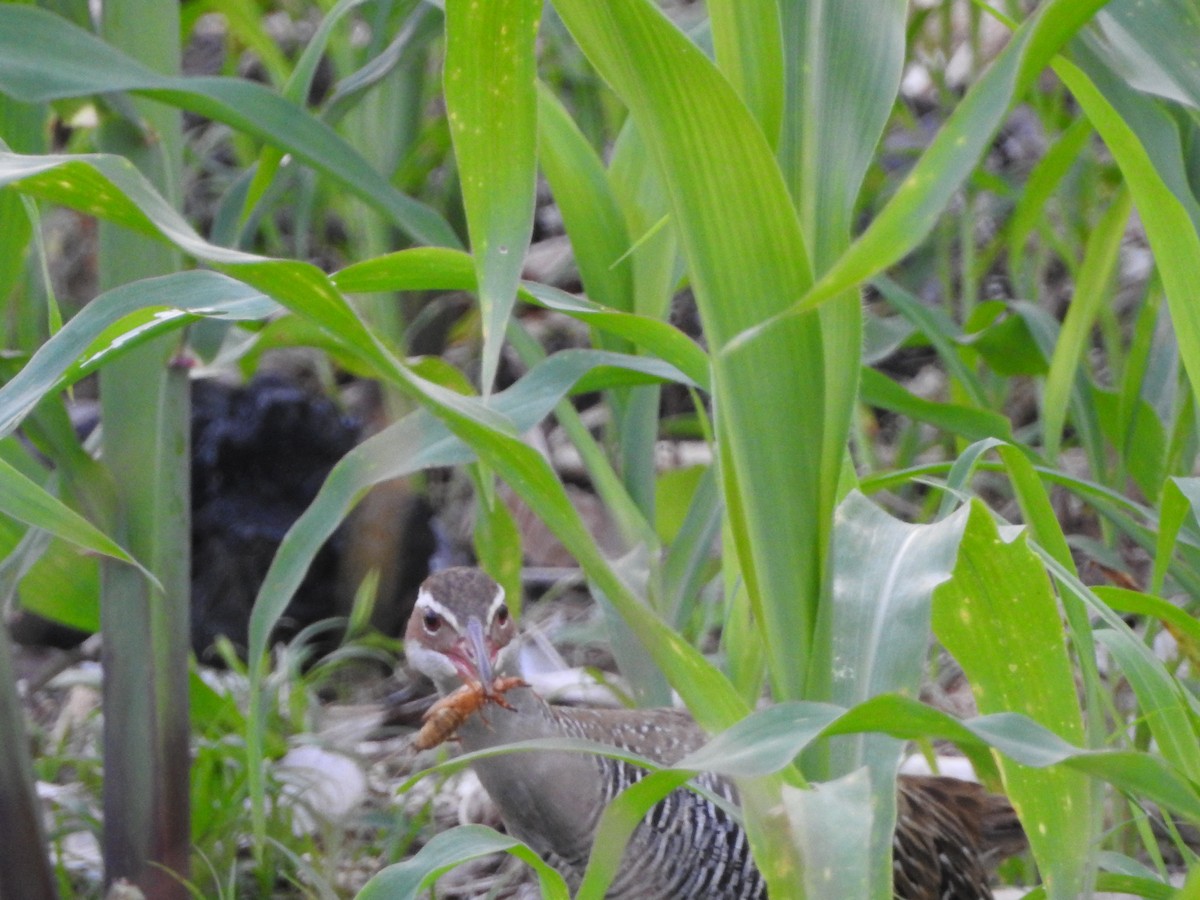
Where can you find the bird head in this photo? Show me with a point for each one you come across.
(461, 629)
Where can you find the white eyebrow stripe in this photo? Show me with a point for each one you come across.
(497, 602)
(426, 600)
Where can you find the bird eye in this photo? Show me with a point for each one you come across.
(432, 622)
(502, 615)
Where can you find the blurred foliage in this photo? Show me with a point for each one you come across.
(897, 279)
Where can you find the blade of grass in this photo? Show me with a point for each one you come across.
(432, 268)
(1155, 688)
(940, 331)
(596, 227)
(1125, 601)
(884, 574)
(910, 215)
(489, 89)
(407, 880)
(1179, 501)
(844, 60)
(1161, 705)
(1147, 397)
(1030, 210)
(169, 302)
(749, 49)
(999, 619)
(296, 88)
(1144, 143)
(590, 211)
(32, 504)
(1153, 53)
(1091, 290)
(43, 57)
(973, 424)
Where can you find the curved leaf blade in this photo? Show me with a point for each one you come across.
(432, 268)
(489, 90)
(999, 618)
(29, 502)
(910, 214)
(171, 301)
(44, 57)
(406, 880)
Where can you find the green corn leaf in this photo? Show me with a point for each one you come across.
(489, 89)
(964, 421)
(590, 211)
(732, 212)
(28, 502)
(43, 57)
(910, 214)
(1091, 289)
(1144, 141)
(749, 49)
(1000, 620)
(407, 880)
(119, 319)
(431, 268)
(1153, 47)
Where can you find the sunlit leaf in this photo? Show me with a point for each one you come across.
(1000, 620)
(489, 90)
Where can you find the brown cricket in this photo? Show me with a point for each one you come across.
(445, 717)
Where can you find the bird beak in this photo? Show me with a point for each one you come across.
(477, 648)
